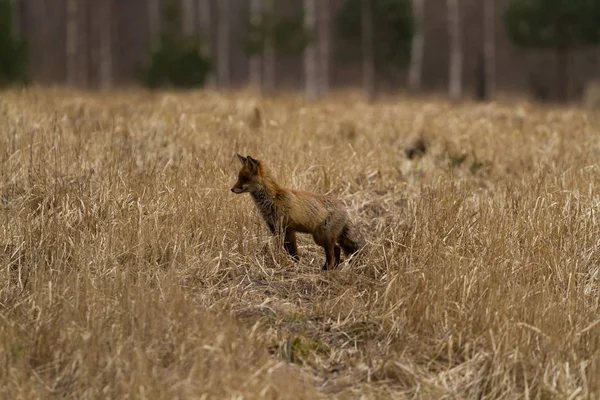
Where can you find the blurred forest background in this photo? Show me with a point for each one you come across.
(466, 48)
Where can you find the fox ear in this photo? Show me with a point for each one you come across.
(253, 164)
(241, 158)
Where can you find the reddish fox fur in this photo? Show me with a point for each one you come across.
(288, 211)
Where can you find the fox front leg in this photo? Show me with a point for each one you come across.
(289, 243)
(332, 255)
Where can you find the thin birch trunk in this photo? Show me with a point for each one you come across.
(16, 18)
(310, 53)
(85, 45)
(489, 47)
(72, 43)
(269, 59)
(205, 18)
(255, 59)
(324, 44)
(223, 56)
(106, 77)
(455, 84)
(368, 68)
(418, 46)
(154, 25)
(187, 17)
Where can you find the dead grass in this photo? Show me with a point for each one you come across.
(129, 270)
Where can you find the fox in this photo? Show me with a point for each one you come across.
(288, 211)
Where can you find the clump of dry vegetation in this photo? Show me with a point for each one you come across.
(130, 270)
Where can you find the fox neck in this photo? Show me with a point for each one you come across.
(265, 198)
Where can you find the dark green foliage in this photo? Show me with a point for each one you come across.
(553, 23)
(560, 25)
(175, 60)
(13, 50)
(289, 35)
(393, 28)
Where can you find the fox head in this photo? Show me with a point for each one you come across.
(248, 177)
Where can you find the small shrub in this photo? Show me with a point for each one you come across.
(175, 60)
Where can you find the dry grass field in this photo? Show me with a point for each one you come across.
(129, 269)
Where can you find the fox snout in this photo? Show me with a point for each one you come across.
(239, 188)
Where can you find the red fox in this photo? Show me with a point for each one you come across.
(288, 211)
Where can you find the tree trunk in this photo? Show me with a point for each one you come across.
(205, 18)
(310, 53)
(324, 44)
(223, 67)
(489, 48)
(269, 59)
(417, 48)
(153, 18)
(368, 67)
(72, 43)
(255, 59)
(85, 49)
(16, 18)
(187, 17)
(106, 46)
(562, 57)
(39, 29)
(455, 84)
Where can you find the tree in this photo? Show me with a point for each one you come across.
(417, 47)
(205, 18)
(16, 17)
(223, 45)
(85, 44)
(268, 50)
(106, 45)
(153, 18)
(368, 68)
(255, 59)
(78, 40)
(560, 25)
(489, 48)
(310, 53)
(270, 35)
(187, 17)
(176, 60)
(391, 24)
(324, 44)
(455, 84)
(13, 50)
(72, 43)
